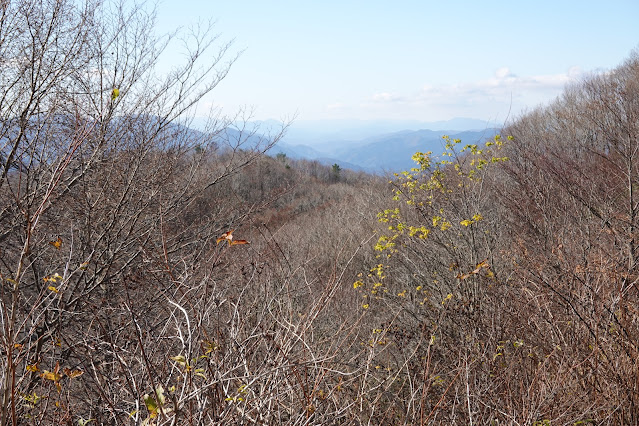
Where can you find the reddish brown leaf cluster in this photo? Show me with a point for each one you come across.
(228, 236)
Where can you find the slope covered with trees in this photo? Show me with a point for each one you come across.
(152, 274)
(509, 278)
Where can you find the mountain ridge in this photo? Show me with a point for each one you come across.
(389, 152)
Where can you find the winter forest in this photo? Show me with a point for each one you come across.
(155, 274)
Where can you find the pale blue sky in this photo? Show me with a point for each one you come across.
(408, 59)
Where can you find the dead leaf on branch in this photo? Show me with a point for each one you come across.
(57, 243)
(228, 236)
(481, 265)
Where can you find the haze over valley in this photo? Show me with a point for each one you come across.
(390, 150)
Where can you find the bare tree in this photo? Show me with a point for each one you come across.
(99, 184)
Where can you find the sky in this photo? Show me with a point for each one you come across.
(407, 59)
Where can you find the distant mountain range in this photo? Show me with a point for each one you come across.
(324, 132)
(383, 153)
(378, 146)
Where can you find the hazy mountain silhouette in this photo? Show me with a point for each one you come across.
(383, 153)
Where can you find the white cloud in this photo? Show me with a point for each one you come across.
(386, 97)
(500, 92)
(504, 72)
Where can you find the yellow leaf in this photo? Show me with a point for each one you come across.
(180, 359)
(53, 278)
(57, 243)
(50, 375)
(209, 346)
(73, 374)
(53, 289)
(33, 398)
(151, 405)
(480, 265)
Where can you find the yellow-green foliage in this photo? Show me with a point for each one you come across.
(424, 209)
(422, 185)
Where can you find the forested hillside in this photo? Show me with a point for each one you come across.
(152, 274)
